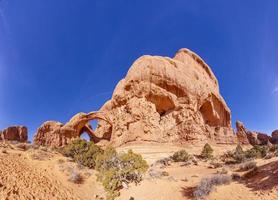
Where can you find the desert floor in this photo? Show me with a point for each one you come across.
(43, 174)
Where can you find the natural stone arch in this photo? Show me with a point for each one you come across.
(53, 133)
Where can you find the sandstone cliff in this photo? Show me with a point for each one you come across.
(168, 100)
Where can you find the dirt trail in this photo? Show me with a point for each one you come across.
(20, 180)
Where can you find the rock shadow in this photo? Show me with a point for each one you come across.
(265, 179)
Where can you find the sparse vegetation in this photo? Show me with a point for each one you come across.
(82, 152)
(240, 156)
(207, 152)
(256, 152)
(115, 170)
(247, 166)
(75, 177)
(180, 156)
(207, 185)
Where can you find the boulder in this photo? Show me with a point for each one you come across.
(168, 100)
(56, 134)
(15, 133)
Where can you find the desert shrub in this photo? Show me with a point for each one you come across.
(247, 166)
(239, 155)
(116, 170)
(76, 147)
(256, 152)
(207, 185)
(180, 156)
(75, 177)
(82, 152)
(207, 152)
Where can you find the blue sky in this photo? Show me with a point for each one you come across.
(58, 58)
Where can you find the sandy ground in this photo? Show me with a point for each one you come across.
(40, 174)
(183, 180)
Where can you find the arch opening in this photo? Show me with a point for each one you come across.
(85, 136)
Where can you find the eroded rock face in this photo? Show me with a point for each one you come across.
(56, 134)
(274, 138)
(251, 137)
(241, 133)
(15, 133)
(168, 100)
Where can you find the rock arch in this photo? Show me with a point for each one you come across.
(56, 134)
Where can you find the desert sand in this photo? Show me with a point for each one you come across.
(43, 174)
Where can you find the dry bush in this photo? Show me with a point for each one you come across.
(247, 166)
(75, 177)
(207, 185)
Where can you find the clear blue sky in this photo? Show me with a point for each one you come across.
(60, 57)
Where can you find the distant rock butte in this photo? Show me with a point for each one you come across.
(168, 100)
(14, 133)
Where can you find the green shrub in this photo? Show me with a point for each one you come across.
(256, 152)
(114, 170)
(180, 156)
(82, 152)
(207, 152)
(239, 155)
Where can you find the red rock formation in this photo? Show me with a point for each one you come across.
(56, 134)
(168, 100)
(15, 133)
(252, 137)
(241, 133)
(274, 138)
